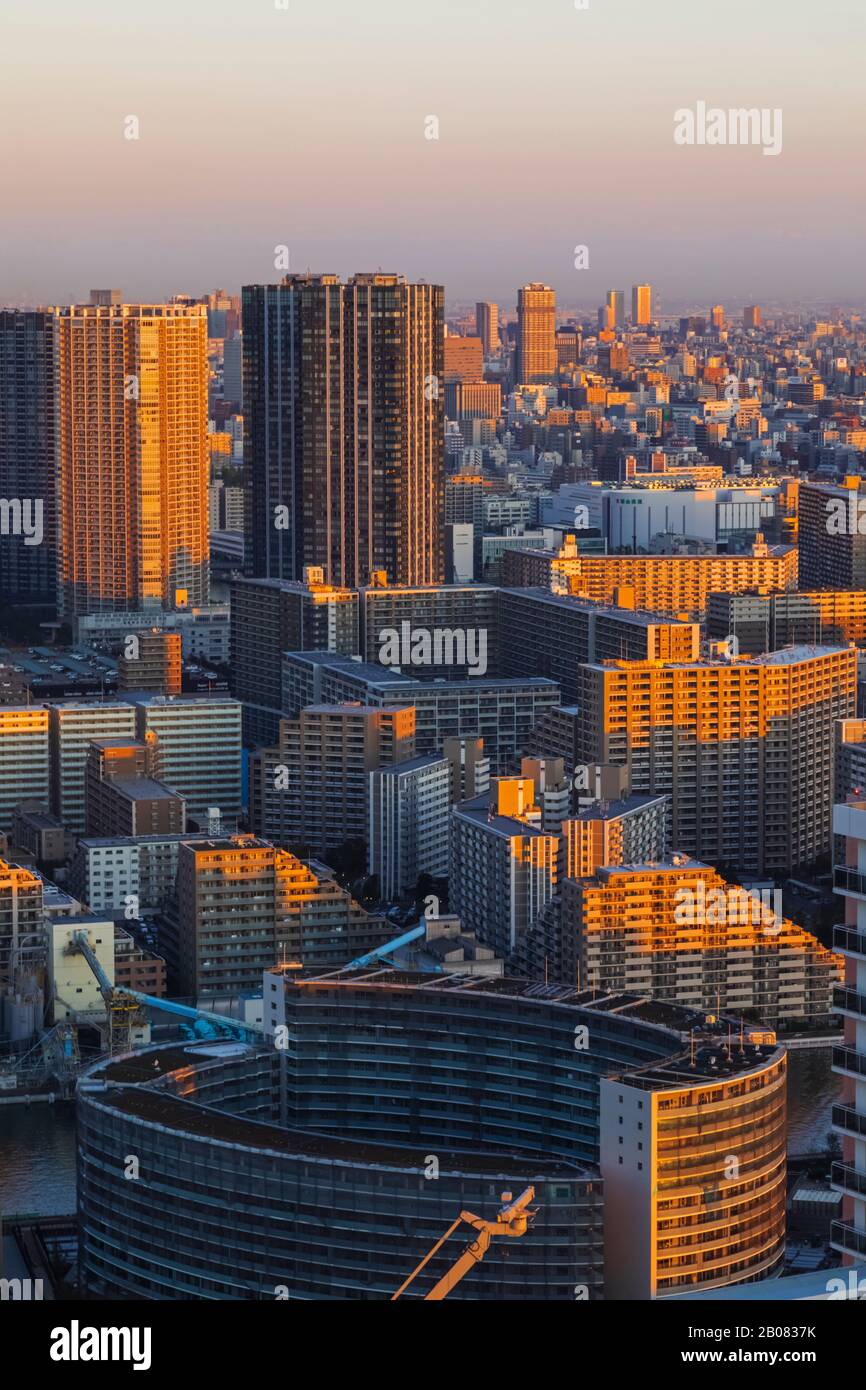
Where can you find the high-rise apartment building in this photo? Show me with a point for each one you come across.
(504, 713)
(199, 750)
(745, 748)
(151, 660)
(25, 762)
(410, 813)
(678, 1215)
(74, 725)
(848, 1175)
(764, 622)
(311, 792)
(752, 316)
(21, 922)
(487, 326)
(676, 931)
(343, 428)
(641, 305)
(546, 634)
(832, 534)
(28, 533)
(503, 867)
(132, 456)
(273, 616)
(680, 583)
(536, 334)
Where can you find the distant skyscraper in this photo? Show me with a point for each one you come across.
(464, 359)
(28, 544)
(616, 303)
(717, 316)
(487, 325)
(752, 316)
(344, 428)
(132, 456)
(536, 338)
(641, 305)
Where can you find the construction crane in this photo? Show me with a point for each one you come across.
(514, 1219)
(124, 1008)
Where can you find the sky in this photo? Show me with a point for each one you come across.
(305, 126)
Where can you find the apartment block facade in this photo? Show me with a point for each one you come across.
(745, 748)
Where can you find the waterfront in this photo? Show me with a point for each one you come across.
(37, 1142)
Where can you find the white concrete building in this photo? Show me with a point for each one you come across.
(74, 724)
(199, 750)
(409, 815)
(24, 758)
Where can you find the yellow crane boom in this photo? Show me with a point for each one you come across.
(514, 1219)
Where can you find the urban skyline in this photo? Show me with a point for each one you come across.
(433, 670)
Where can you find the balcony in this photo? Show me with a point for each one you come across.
(848, 1239)
(849, 881)
(849, 1001)
(849, 1060)
(847, 1179)
(852, 942)
(848, 1120)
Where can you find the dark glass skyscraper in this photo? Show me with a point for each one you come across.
(27, 471)
(344, 428)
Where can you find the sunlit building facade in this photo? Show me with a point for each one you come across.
(131, 392)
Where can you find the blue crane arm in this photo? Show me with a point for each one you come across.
(387, 947)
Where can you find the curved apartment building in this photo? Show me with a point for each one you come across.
(328, 1164)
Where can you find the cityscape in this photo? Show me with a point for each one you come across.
(432, 740)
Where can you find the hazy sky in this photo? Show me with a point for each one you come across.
(305, 126)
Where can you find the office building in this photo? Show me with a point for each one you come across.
(615, 303)
(132, 456)
(28, 539)
(752, 316)
(641, 305)
(487, 326)
(463, 359)
(25, 762)
(343, 445)
(410, 814)
(745, 747)
(536, 334)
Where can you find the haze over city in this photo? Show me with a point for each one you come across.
(305, 127)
